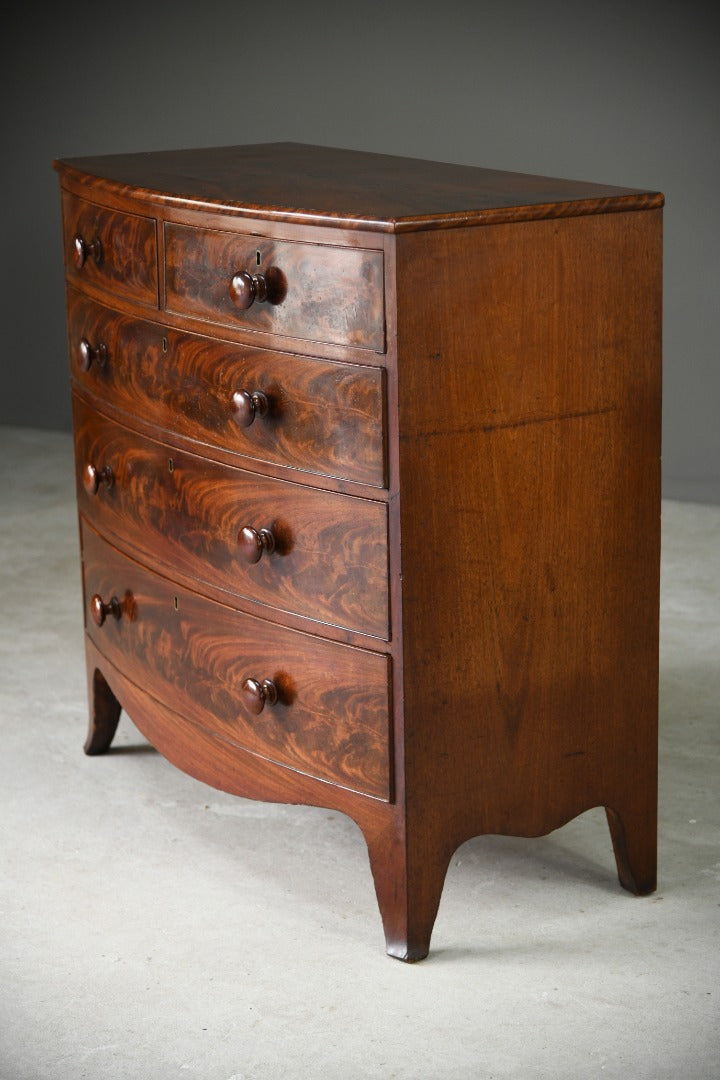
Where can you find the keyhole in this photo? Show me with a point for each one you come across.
(257, 256)
(164, 344)
(175, 603)
(171, 465)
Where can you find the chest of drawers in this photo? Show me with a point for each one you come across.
(368, 479)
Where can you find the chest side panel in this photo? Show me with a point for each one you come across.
(529, 474)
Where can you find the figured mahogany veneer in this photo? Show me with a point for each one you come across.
(201, 266)
(370, 499)
(108, 250)
(330, 719)
(329, 551)
(322, 417)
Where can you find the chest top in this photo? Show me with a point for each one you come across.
(323, 185)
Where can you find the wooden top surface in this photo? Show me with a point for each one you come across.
(322, 185)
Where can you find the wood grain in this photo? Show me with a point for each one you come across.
(331, 720)
(323, 185)
(104, 714)
(128, 266)
(322, 293)
(324, 417)
(544, 472)
(184, 514)
(521, 453)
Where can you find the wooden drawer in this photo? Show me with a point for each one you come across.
(111, 251)
(314, 292)
(331, 717)
(322, 417)
(187, 514)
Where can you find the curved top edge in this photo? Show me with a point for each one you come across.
(534, 212)
(581, 199)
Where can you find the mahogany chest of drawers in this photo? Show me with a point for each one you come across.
(368, 477)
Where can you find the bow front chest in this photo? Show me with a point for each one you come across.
(368, 478)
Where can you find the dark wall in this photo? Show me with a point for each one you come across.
(628, 94)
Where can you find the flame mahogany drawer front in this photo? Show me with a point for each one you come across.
(316, 553)
(368, 474)
(110, 251)
(330, 716)
(319, 293)
(321, 416)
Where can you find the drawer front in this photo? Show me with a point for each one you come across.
(314, 292)
(110, 250)
(319, 554)
(322, 417)
(331, 716)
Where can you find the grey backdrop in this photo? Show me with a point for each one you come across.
(625, 94)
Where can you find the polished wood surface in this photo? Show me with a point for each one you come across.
(318, 292)
(105, 712)
(468, 645)
(86, 249)
(256, 694)
(329, 557)
(248, 407)
(90, 354)
(119, 250)
(245, 289)
(331, 716)
(321, 184)
(322, 417)
(541, 700)
(254, 543)
(101, 609)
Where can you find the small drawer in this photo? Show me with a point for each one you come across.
(307, 291)
(315, 706)
(111, 251)
(318, 554)
(322, 417)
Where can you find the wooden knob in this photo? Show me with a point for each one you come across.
(93, 478)
(246, 406)
(88, 353)
(259, 694)
(253, 542)
(100, 610)
(82, 251)
(246, 288)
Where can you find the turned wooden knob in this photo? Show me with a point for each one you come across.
(93, 478)
(259, 694)
(246, 406)
(82, 251)
(253, 542)
(100, 610)
(246, 288)
(88, 353)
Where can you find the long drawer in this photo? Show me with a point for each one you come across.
(315, 706)
(315, 553)
(321, 417)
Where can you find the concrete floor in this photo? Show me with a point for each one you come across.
(153, 928)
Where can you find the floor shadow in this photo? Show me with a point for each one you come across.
(136, 748)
